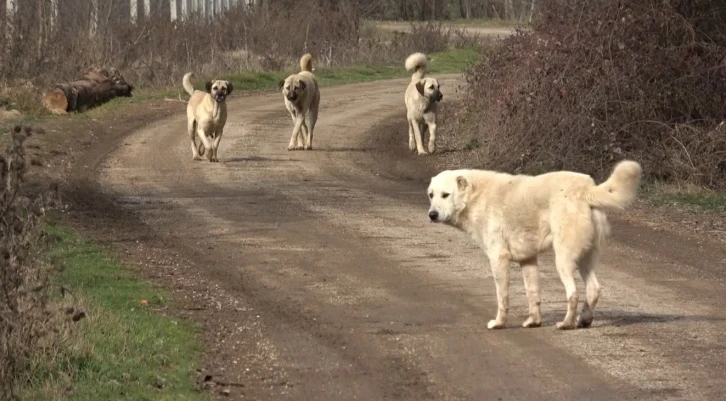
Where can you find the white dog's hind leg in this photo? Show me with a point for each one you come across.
(592, 288)
(566, 267)
(500, 262)
(530, 273)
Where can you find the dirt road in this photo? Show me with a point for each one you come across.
(316, 275)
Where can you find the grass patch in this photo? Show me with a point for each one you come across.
(123, 350)
(685, 197)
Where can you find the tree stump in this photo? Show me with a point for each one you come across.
(97, 86)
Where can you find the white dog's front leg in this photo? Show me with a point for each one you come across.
(500, 262)
(303, 137)
(215, 145)
(207, 146)
(411, 140)
(417, 134)
(295, 132)
(432, 137)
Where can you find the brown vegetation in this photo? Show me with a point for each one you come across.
(29, 322)
(600, 81)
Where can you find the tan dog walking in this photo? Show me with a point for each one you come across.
(206, 116)
(423, 95)
(302, 99)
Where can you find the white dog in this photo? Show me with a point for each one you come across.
(422, 98)
(514, 218)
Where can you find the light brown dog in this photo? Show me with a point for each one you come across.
(302, 98)
(423, 95)
(206, 115)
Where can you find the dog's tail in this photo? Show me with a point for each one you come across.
(418, 63)
(187, 83)
(306, 62)
(620, 190)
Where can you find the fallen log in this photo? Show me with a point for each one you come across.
(97, 86)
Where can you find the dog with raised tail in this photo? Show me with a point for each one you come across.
(302, 100)
(422, 98)
(514, 218)
(206, 115)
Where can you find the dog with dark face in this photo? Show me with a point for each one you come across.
(423, 95)
(206, 116)
(302, 99)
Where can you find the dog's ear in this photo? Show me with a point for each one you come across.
(302, 85)
(208, 86)
(462, 183)
(420, 87)
(281, 83)
(229, 87)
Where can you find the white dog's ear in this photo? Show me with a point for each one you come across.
(420, 87)
(302, 85)
(462, 183)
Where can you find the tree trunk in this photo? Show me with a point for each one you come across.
(509, 10)
(96, 87)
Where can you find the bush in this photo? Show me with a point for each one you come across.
(599, 81)
(28, 322)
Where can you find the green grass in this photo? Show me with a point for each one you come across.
(122, 350)
(685, 197)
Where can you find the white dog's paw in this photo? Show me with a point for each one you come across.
(493, 324)
(530, 323)
(565, 326)
(291, 147)
(432, 148)
(196, 158)
(308, 147)
(422, 153)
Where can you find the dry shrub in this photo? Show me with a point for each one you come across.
(599, 81)
(29, 324)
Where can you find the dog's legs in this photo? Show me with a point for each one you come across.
(192, 128)
(592, 288)
(566, 266)
(417, 135)
(215, 145)
(530, 272)
(299, 120)
(207, 146)
(500, 262)
(411, 140)
(313, 115)
(302, 138)
(431, 122)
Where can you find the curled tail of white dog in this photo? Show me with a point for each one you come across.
(187, 83)
(306, 62)
(620, 189)
(418, 63)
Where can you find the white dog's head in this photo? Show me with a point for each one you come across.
(430, 89)
(448, 193)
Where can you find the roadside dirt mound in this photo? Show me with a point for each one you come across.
(600, 81)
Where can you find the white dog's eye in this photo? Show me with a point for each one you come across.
(431, 195)
(445, 195)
